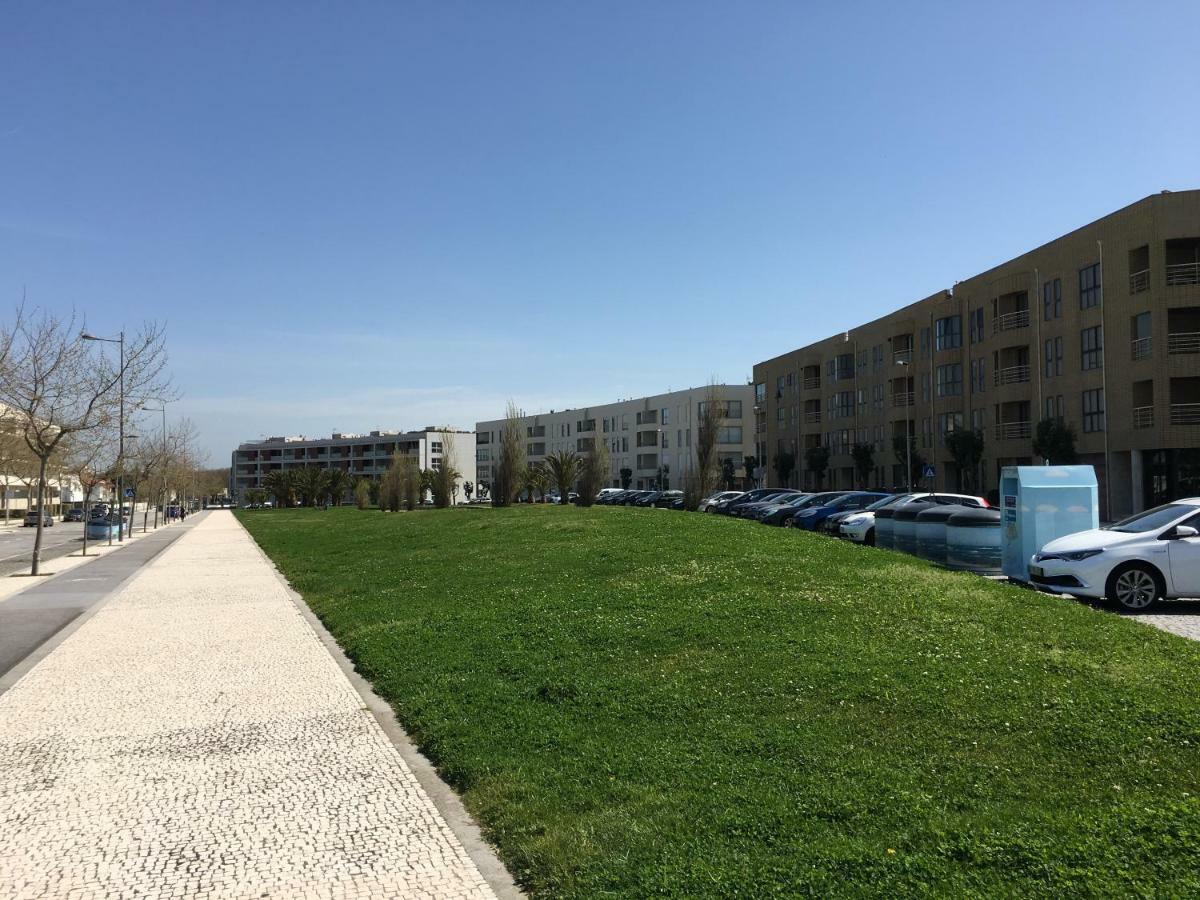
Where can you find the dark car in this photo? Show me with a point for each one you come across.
(677, 503)
(730, 507)
(73, 515)
(666, 498)
(648, 498)
(812, 516)
(812, 501)
(633, 497)
(751, 510)
(778, 513)
(832, 523)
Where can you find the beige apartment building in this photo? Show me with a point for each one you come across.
(651, 437)
(361, 455)
(1100, 328)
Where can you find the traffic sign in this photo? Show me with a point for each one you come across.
(928, 472)
(129, 493)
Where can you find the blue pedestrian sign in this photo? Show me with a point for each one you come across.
(928, 472)
(129, 493)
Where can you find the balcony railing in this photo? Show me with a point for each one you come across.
(812, 382)
(902, 357)
(1009, 321)
(813, 416)
(1140, 348)
(1139, 281)
(1011, 375)
(1183, 342)
(1185, 413)
(1006, 431)
(902, 398)
(1143, 417)
(1184, 273)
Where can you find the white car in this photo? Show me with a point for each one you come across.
(708, 503)
(1135, 563)
(860, 528)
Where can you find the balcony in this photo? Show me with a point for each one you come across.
(1183, 273)
(903, 357)
(1011, 375)
(1185, 413)
(1183, 342)
(1140, 348)
(902, 398)
(1010, 321)
(1011, 431)
(813, 416)
(1139, 281)
(812, 382)
(1143, 417)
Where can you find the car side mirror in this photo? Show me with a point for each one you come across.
(1185, 531)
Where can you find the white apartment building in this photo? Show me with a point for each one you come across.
(652, 437)
(361, 455)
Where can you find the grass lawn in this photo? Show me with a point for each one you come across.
(643, 703)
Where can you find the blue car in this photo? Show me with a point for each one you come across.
(814, 514)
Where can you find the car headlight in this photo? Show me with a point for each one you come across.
(1073, 556)
(854, 520)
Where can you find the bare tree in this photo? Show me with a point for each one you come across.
(594, 472)
(510, 467)
(89, 457)
(445, 477)
(704, 476)
(56, 385)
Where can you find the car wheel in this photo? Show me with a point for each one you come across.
(869, 540)
(1134, 588)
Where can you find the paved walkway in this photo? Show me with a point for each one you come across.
(195, 738)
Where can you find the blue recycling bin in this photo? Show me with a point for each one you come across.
(1039, 504)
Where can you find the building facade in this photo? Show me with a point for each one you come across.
(1099, 329)
(653, 438)
(361, 455)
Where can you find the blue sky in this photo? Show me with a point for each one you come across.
(380, 215)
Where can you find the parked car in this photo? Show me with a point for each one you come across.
(31, 520)
(811, 502)
(777, 513)
(605, 493)
(751, 510)
(707, 504)
(1134, 563)
(667, 498)
(861, 528)
(614, 499)
(677, 503)
(832, 523)
(727, 507)
(103, 527)
(814, 514)
(73, 515)
(631, 498)
(648, 498)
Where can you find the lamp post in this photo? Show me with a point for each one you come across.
(161, 409)
(907, 433)
(120, 341)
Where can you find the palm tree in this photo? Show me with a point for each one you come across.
(337, 482)
(535, 480)
(563, 466)
(312, 482)
(282, 486)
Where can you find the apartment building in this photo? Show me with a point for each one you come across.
(362, 455)
(1099, 328)
(651, 437)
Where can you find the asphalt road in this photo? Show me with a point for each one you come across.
(16, 544)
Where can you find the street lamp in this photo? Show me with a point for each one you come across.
(120, 341)
(162, 409)
(907, 433)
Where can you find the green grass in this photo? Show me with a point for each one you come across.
(647, 703)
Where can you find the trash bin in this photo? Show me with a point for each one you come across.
(884, 526)
(973, 541)
(931, 532)
(904, 525)
(1039, 504)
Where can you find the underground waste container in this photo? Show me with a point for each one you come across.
(973, 541)
(931, 531)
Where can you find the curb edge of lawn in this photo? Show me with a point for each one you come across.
(447, 802)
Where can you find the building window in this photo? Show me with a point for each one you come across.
(978, 375)
(1054, 407)
(924, 342)
(948, 422)
(1089, 286)
(760, 393)
(730, 434)
(975, 320)
(1051, 299)
(1053, 357)
(877, 357)
(949, 380)
(1092, 353)
(949, 333)
(926, 392)
(1093, 410)
(779, 413)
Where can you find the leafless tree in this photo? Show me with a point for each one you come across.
(88, 458)
(510, 467)
(445, 478)
(55, 385)
(594, 473)
(704, 475)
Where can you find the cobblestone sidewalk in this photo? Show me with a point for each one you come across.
(194, 738)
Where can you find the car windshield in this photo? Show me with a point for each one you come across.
(1152, 519)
